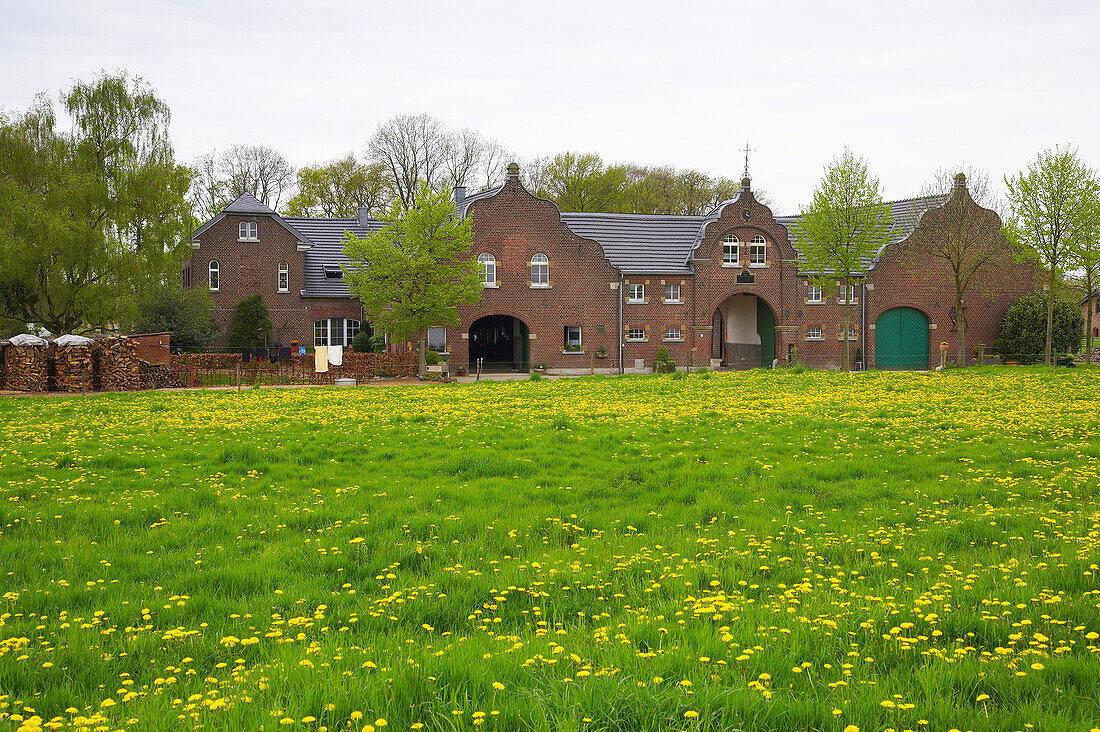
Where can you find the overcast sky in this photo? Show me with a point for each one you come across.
(910, 86)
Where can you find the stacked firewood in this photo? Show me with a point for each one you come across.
(116, 364)
(73, 365)
(155, 376)
(27, 368)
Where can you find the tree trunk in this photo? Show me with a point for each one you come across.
(1050, 320)
(1089, 308)
(422, 368)
(961, 321)
(847, 325)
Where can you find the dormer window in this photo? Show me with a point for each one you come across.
(248, 231)
(333, 272)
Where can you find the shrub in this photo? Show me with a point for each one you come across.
(431, 358)
(187, 314)
(251, 325)
(662, 354)
(361, 342)
(378, 343)
(535, 376)
(1024, 329)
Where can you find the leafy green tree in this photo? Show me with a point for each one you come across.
(187, 313)
(1046, 199)
(90, 216)
(843, 228)
(416, 270)
(338, 188)
(581, 182)
(1024, 329)
(1084, 251)
(251, 326)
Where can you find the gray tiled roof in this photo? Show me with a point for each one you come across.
(639, 243)
(327, 236)
(905, 215)
(246, 203)
(480, 195)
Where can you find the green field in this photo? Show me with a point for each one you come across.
(758, 551)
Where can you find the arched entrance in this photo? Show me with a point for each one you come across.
(743, 334)
(501, 341)
(901, 339)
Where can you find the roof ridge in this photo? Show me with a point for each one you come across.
(625, 213)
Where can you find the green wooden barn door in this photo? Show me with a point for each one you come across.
(901, 339)
(765, 328)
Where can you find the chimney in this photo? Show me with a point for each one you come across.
(459, 195)
(364, 216)
(513, 170)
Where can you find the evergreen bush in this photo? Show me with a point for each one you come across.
(251, 325)
(1024, 329)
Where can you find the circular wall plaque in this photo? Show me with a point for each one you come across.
(746, 214)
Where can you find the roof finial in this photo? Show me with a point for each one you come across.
(747, 151)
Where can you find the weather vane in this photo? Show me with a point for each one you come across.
(747, 151)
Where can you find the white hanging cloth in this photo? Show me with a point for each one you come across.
(336, 355)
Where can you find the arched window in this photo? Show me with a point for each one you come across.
(758, 254)
(248, 231)
(488, 270)
(730, 251)
(284, 277)
(215, 281)
(540, 271)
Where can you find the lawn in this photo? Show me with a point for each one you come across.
(758, 551)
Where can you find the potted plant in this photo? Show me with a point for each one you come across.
(601, 352)
(540, 368)
(435, 364)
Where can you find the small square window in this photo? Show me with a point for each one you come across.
(672, 334)
(635, 334)
(813, 332)
(248, 231)
(672, 293)
(636, 293)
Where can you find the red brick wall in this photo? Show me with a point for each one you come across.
(152, 347)
(253, 267)
(513, 226)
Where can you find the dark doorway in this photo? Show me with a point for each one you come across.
(501, 341)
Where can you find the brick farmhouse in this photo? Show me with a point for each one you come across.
(583, 292)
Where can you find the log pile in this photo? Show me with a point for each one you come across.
(27, 367)
(73, 365)
(155, 376)
(116, 364)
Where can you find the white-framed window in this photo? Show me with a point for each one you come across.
(437, 339)
(635, 293)
(248, 231)
(758, 252)
(672, 293)
(635, 334)
(335, 331)
(813, 332)
(851, 334)
(673, 334)
(572, 337)
(284, 277)
(214, 279)
(851, 292)
(814, 293)
(540, 271)
(730, 251)
(488, 265)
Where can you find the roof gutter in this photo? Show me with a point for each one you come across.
(620, 293)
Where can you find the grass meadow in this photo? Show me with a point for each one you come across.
(756, 551)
